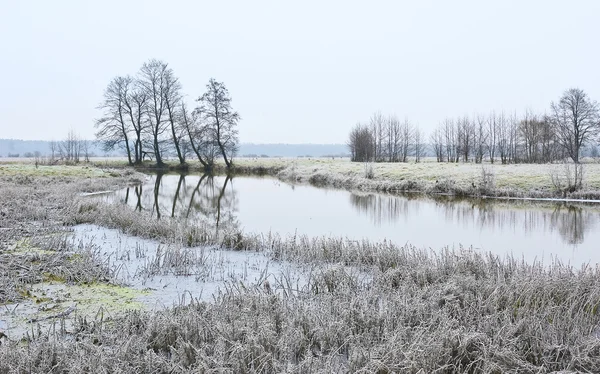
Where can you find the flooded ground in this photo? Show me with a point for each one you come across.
(539, 231)
(168, 274)
(148, 275)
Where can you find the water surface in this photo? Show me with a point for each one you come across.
(540, 231)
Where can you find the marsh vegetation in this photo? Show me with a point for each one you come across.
(310, 304)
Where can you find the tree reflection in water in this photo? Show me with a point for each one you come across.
(570, 221)
(207, 197)
(214, 199)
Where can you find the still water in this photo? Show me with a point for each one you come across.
(540, 231)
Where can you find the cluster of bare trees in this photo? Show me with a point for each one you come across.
(573, 122)
(71, 149)
(385, 139)
(147, 116)
(496, 137)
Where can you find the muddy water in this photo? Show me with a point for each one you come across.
(541, 231)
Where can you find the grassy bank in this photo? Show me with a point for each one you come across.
(515, 180)
(366, 307)
(461, 179)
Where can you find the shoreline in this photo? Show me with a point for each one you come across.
(482, 312)
(513, 181)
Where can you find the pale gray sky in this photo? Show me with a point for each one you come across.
(303, 71)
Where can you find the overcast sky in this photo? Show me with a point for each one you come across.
(302, 72)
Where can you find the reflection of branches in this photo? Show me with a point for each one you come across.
(380, 208)
(213, 203)
(156, 191)
(193, 194)
(207, 199)
(138, 193)
(175, 198)
(571, 223)
(220, 198)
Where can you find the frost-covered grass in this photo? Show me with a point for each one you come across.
(452, 311)
(463, 179)
(25, 169)
(515, 180)
(39, 271)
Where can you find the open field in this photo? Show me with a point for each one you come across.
(430, 177)
(364, 307)
(465, 179)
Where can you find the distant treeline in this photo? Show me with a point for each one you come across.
(570, 129)
(32, 148)
(43, 148)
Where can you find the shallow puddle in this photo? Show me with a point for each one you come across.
(170, 274)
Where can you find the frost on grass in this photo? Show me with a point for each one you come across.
(515, 180)
(455, 312)
(414, 311)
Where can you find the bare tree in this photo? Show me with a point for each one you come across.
(153, 82)
(199, 137)
(406, 139)
(113, 129)
(172, 99)
(451, 141)
(513, 134)
(220, 119)
(465, 137)
(503, 138)
(419, 146)
(53, 150)
(480, 138)
(377, 125)
(70, 149)
(135, 105)
(577, 120)
(437, 142)
(492, 136)
(361, 144)
(85, 148)
(537, 139)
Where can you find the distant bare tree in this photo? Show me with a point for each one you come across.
(465, 137)
(70, 149)
(377, 125)
(480, 139)
(407, 133)
(537, 138)
(113, 129)
(220, 119)
(577, 120)
(492, 136)
(361, 144)
(419, 146)
(393, 137)
(513, 133)
(437, 143)
(451, 140)
(152, 81)
(85, 148)
(53, 150)
(503, 139)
